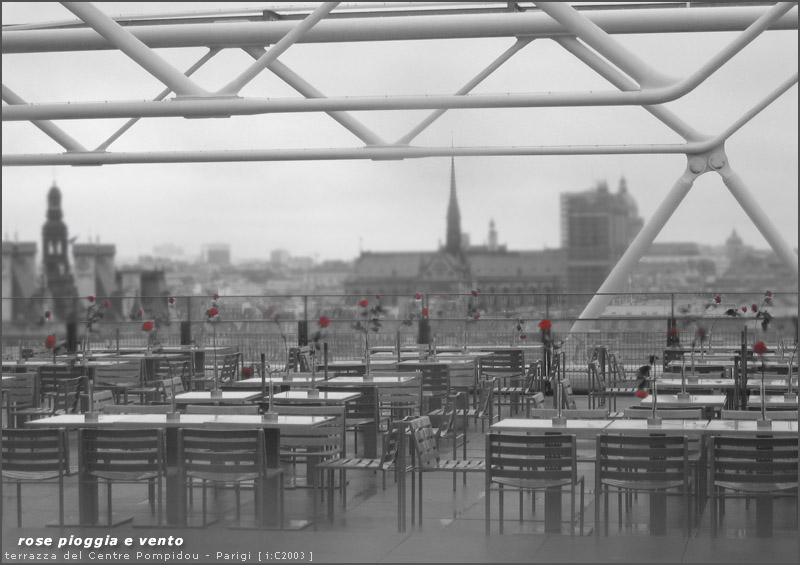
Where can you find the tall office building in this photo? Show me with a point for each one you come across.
(596, 228)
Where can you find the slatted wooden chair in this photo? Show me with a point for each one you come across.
(123, 456)
(22, 398)
(360, 413)
(385, 463)
(530, 463)
(64, 397)
(229, 371)
(567, 396)
(507, 367)
(766, 467)
(180, 367)
(654, 464)
(123, 379)
(426, 459)
(35, 456)
(485, 410)
(167, 389)
(226, 457)
(398, 402)
(435, 385)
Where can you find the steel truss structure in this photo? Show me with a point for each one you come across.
(587, 34)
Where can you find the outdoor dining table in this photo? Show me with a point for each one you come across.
(291, 380)
(88, 500)
(710, 403)
(321, 397)
(773, 402)
(225, 397)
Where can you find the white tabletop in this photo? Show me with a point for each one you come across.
(749, 427)
(160, 421)
(582, 428)
(640, 426)
(694, 400)
(228, 397)
(773, 400)
(327, 397)
(375, 381)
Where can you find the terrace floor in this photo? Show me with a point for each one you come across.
(452, 531)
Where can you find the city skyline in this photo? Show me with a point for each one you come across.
(334, 209)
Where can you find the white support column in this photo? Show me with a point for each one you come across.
(303, 87)
(752, 208)
(134, 48)
(480, 77)
(49, 128)
(641, 243)
(604, 44)
(233, 87)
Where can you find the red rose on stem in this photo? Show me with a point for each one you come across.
(673, 332)
(641, 394)
(216, 296)
(545, 325)
(90, 298)
(106, 304)
(363, 303)
(247, 372)
(172, 300)
(139, 313)
(717, 299)
(418, 296)
(523, 336)
(211, 312)
(744, 308)
(702, 332)
(377, 296)
(760, 348)
(47, 314)
(50, 341)
(477, 315)
(474, 292)
(147, 326)
(767, 293)
(323, 321)
(424, 311)
(754, 308)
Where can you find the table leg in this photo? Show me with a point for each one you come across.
(764, 516)
(552, 509)
(175, 504)
(658, 513)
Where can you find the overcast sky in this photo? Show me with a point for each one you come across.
(331, 209)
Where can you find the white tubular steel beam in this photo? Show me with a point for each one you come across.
(531, 24)
(601, 42)
(480, 77)
(303, 87)
(378, 153)
(615, 281)
(49, 128)
(622, 82)
(277, 50)
(754, 211)
(123, 40)
(161, 95)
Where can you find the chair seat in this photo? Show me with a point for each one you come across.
(355, 463)
(532, 484)
(461, 465)
(30, 475)
(642, 485)
(123, 475)
(226, 477)
(756, 487)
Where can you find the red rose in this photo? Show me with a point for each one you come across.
(767, 293)
(363, 303)
(744, 308)
(702, 332)
(323, 321)
(754, 308)
(90, 298)
(147, 326)
(523, 336)
(247, 372)
(139, 313)
(172, 300)
(717, 299)
(47, 314)
(106, 304)
(477, 315)
(424, 311)
(760, 347)
(545, 325)
(474, 292)
(377, 297)
(216, 296)
(211, 312)
(673, 332)
(641, 394)
(418, 296)
(50, 341)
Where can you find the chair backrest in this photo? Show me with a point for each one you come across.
(667, 413)
(125, 373)
(35, 452)
(435, 379)
(50, 376)
(596, 378)
(124, 455)
(756, 414)
(221, 455)
(567, 396)
(651, 459)
(550, 458)
(364, 408)
(327, 441)
(537, 400)
(579, 413)
(502, 363)
(179, 367)
(136, 408)
(229, 410)
(400, 401)
(425, 443)
(754, 461)
(67, 399)
(229, 371)
(616, 369)
(485, 407)
(167, 389)
(21, 391)
(102, 398)
(391, 445)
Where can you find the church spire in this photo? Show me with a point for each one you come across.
(453, 240)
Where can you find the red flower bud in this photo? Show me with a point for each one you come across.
(744, 308)
(673, 332)
(363, 303)
(323, 321)
(477, 315)
(147, 326)
(760, 348)
(418, 296)
(767, 293)
(424, 311)
(211, 312)
(641, 394)
(377, 297)
(50, 341)
(139, 313)
(216, 296)
(47, 314)
(474, 292)
(545, 325)
(90, 298)
(523, 336)
(172, 300)
(754, 307)
(247, 372)
(717, 299)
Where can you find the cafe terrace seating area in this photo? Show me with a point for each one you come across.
(414, 452)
